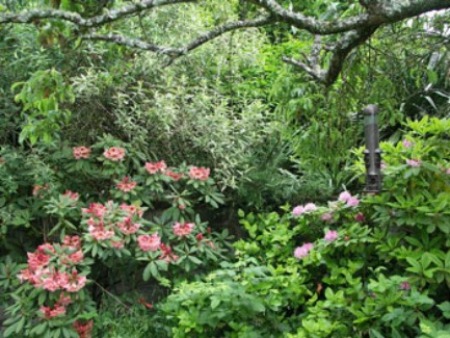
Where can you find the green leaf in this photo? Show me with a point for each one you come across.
(215, 302)
(195, 260)
(376, 334)
(445, 308)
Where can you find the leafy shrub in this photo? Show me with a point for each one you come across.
(120, 219)
(375, 266)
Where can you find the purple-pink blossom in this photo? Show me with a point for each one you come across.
(331, 235)
(407, 144)
(303, 251)
(359, 217)
(405, 286)
(348, 199)
(300, 209)
(414, 163)
(326, 217)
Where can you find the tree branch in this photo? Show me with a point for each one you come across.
(30, 16)
(175, 52)
(378, 13)
(353, 31)
(340, 51)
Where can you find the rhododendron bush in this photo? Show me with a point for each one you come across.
(358, 266)
(96, 211)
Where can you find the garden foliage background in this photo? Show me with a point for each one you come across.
(220, 195)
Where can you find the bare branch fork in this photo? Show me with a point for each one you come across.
(352, 31)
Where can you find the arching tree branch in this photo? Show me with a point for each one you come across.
(351, 32)
(340, 51)
(29, 16)
(175, 52)
(378, 12)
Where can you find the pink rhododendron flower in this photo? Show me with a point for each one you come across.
(447, 171)
(84, 329)
(414, 163)
(25, 275)
(407, 144)
(81, 152)
(37, 189)
(95, 209)
(183, 229)
(75, 282)
(350, 201)
(54, 281)
(199, 237)
(50, 313)
(149, 242)
(132, 209)
(303, 251)
(64, 299)
(126, 185)
(37, 260)
(199, 173)
(310, 207)
(127, 227)
(117, 244)
(101, 234)
(166, 253)
(154, 167)
(298, 210)
(115, 154)
(72, 195)
(46, 248)
(72, 242)
(331, 236)
(344, 196)
(326, 217)
(76, 257)
(175, 176)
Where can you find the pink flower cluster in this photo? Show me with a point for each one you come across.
(331, 236)
(37, 189)
(348, 199)
(303, 251)
(74, 196)
(128, 227)
(149, 242)
(183, 229)
(327, 217)
(48, 268)
(126, 185)
(199, 173)
(98, 229)
(81, 152)
(110, 222)
(166, 254)
(155, 167)
(114, 154)
(83, 329)
(173, 175)
(132, 210)
(300, 209)
(414, 163)
(407, 143)
(55, 311)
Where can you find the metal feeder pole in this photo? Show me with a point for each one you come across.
(372, 154)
